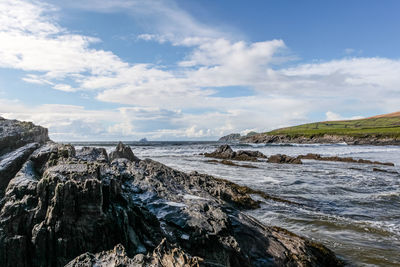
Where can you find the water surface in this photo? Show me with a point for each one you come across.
(349, 207)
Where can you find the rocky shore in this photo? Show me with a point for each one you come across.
(325, 139)
(262, 138)
(60, 206)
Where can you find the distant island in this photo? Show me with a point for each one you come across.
(143, 140)
(378, 130)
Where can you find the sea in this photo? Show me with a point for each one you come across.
(354, 209)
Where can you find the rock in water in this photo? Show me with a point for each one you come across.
(226, 152)
(76, 208)
(279, 158)
(123, 151)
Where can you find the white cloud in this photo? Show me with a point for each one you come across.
(31, 40)
(179, 102)
(164, 18)
(331, 116)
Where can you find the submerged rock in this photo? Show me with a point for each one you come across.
(77, 208)
(342, 159)
(281, 158)
(231, 163)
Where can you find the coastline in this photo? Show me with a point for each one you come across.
(324, 139)
(56, 200)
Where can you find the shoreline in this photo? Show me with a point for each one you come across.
(325, 139)
(56, 199)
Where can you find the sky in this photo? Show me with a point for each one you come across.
(195, 70)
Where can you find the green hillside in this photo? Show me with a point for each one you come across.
(380, 126)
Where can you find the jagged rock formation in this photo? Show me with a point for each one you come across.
(82, 209)
(226, 152)
(123, 151)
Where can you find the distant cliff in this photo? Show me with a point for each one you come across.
(230, 138)
(377, 130)
(236, 137)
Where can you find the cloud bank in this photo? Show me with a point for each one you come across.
(192, 99)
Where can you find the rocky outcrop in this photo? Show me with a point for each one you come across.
(123, 151)
(226, 152)
(15, 134)
(283, 159)
(18, 140)
(82, 209)
(324, 139)
(12, 162)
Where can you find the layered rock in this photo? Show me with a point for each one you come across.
(15, 134)
(18, 140)
(83, 209)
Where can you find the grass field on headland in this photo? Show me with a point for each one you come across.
(379, 126)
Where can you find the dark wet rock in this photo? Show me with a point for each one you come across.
(92, 154)
(12, 162)
(283, 159)
(382, 170)
(67, 207)
(15, 134)
(123, 151)
(231, 163)
(342, 159)
(226, 152)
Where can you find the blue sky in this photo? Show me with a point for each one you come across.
(195, 70)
